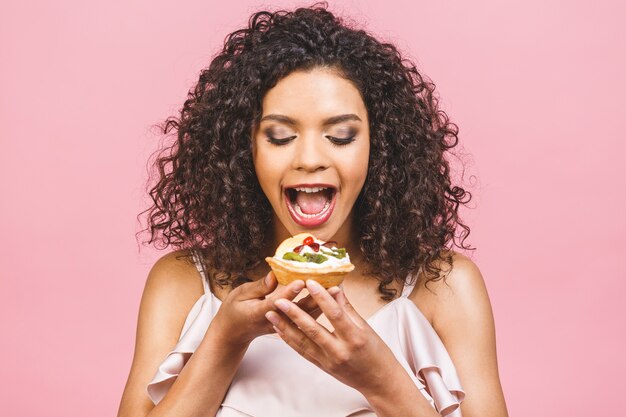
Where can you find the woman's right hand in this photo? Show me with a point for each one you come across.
(241, 317)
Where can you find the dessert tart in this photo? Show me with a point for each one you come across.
(305, 257)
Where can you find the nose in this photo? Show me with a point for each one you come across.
(310, 154)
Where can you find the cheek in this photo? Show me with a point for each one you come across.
(363, 161)
(268, 168)
(355, 172)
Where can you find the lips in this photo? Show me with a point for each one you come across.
(313, 219)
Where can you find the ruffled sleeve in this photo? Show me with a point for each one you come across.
(193, 332)
(421, 352)
(429, 360)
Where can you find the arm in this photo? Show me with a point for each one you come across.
(204, 380)
(463, 319)
(400, 399)
(171, 289)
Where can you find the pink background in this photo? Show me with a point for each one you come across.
(537, 88)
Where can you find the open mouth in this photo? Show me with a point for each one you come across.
(310, 206)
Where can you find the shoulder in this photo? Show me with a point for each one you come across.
(461, 288)
(463, 292)
(178, 264)
(461, 314)
(463, 295)
(174, 275)
(172, 288)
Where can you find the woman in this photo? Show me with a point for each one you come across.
(303, 124)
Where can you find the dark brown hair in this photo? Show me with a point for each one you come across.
(207, 197)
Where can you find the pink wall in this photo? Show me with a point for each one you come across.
(537, 88)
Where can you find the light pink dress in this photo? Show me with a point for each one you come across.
(273, 380)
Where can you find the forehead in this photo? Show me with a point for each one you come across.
(316, 93)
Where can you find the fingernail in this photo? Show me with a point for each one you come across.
(282, 304)
(268, 279)
(298, 285)
(272, 317)
(313, 286)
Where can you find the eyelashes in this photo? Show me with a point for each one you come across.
(333, 140)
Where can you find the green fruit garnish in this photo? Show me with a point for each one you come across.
(339, 253)
(315, 257)
(306, 257)
(292, 256)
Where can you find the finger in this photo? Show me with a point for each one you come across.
(289, 292)
(343, 301)
(258, 288)
(295, 338)
(317, 333)
(334, 291)
(309, 304)
(332, 309)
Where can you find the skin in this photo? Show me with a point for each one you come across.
(340, 341)
(309, 98)
(326, 327)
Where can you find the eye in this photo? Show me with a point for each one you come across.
(281, 141)
(340, 141)
(334, 140)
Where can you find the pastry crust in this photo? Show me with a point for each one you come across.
(286, 271)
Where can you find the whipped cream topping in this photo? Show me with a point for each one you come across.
(332, 261)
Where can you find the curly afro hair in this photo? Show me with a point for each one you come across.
(207, 197)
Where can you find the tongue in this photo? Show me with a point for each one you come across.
(311, 203)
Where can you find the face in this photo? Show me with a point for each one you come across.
(311, 151)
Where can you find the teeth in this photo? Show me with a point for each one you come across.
(301, 213)
(310, 190)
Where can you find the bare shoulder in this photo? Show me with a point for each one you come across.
(461, 286)
(172, 288)
(460, 312)
(174, 276)
(463, 279)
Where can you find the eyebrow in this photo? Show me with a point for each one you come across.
(327, 122)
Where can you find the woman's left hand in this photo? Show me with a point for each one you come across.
(353, 353)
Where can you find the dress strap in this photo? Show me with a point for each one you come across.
(409, 284)
(200, 267)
